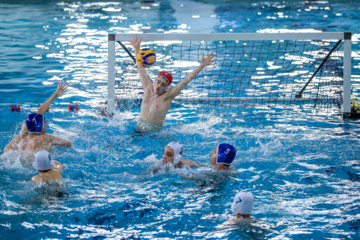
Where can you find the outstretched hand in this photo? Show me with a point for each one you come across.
(135, 42)
(208, 60)
(61, 88)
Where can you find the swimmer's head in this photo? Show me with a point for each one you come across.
(168, 77)
(223, 154)
(42, 161)
(35, 123)
(172, 153)
(243, 203)
(162, 83)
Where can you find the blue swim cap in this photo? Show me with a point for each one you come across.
(226, 154)
(35, 123)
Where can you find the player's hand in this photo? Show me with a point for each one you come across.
(61, 88)
(208, 60)
(135, 42)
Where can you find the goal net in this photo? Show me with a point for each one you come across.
(251, 68)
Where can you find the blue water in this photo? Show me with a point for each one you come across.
(301, 164)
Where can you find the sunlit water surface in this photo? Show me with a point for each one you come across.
(301, 164)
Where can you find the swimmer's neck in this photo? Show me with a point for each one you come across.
(44, 173)
(34, 135)
(222, 167)
(48, 175)
(239, 215)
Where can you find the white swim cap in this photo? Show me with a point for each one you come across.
(178, 151)
(42, 161)
(243, 203)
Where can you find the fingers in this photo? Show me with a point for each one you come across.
(62, 85)
(65, 86)
(209, 59)
(211, 55)
(135, 42)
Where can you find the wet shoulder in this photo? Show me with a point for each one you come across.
(36, 178)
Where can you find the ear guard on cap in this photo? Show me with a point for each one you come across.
(177, 159)
(168, 88)
(221, 157)
(178, 151)
(233, 208)
(39, 127)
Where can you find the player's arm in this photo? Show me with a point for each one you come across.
(187, 162)
(144, 78)
(36, 179)
(13, 145)
(56, 141)
(58, 93)
(173, 92)
(58, 167)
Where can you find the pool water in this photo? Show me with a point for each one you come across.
(300, 163)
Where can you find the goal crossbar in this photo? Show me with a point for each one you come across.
(229, 36)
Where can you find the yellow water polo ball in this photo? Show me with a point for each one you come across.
(146, 57)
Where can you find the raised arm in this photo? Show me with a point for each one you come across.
(13, 145)
(144, 78)
(173, 92)
(58, 93)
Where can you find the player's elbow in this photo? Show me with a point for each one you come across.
(63, 143)
(68, 144)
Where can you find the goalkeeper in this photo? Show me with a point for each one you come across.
(156, 99)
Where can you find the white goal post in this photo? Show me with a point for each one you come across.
(344, 37)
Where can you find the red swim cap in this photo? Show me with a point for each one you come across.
(167, 76)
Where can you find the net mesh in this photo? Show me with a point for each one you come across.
(246, 72)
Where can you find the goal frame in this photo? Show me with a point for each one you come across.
(343, 36)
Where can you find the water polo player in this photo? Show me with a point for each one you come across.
(156, 98)
(243, 204)
(222, 156)
(48, 170)
(173, 155)
(32, 136)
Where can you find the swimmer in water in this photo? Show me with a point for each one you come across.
(173, 155)
(243, 205)
(33, 137)
(222, 156)
(245, 225)
(48, 170)
(156, 98)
